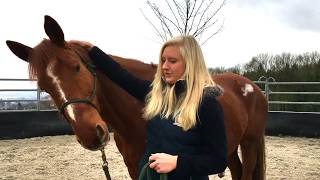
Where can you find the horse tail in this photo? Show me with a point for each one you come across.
(259, 172)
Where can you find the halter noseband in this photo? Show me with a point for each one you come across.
(87, 100)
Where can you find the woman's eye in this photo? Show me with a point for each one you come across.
(172, 60)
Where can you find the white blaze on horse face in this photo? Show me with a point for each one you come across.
(247, 89)
(57, 83)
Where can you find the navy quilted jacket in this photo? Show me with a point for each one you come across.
(201, 151)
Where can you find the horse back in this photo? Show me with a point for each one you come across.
(138, 68)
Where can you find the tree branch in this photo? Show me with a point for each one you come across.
(154, 27)
(185, 18)
(175, 16)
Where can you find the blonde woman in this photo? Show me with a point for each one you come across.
(185, 133)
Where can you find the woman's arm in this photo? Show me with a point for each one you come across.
(214, 158)
(133, 85)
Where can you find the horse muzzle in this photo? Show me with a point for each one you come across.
(100, 140)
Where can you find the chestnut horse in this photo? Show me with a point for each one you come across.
(89, 101)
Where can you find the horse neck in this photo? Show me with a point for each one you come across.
(119, 109)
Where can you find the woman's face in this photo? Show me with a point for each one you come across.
(173, 66)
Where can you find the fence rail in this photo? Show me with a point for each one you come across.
(7, 104)
(268, 85)
(3, 100)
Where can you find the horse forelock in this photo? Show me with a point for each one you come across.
(39, 58)
(46, 51)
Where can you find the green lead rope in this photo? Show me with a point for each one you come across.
(146, 171)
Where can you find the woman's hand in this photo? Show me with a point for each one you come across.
(163, 163)
(84, 44)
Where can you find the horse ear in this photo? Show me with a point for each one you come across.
(20, 50)
(53, 30)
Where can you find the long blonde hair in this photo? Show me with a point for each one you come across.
(162, 99)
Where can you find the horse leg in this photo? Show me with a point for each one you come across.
(128, 156)
(234, 164)
(249, 158)
(253, 159)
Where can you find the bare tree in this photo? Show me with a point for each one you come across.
(186, 17)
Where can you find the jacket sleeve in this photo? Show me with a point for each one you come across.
(213, 160)
(133, 85)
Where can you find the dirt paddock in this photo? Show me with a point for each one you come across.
(61, 157)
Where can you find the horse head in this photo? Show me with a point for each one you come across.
(64, 71)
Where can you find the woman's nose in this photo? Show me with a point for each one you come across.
(165, 65)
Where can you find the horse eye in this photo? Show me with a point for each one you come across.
(77, 68)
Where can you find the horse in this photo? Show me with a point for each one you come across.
(91, 102)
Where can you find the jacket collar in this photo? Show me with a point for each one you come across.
(180, 87)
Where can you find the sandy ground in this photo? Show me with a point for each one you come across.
(61, 157)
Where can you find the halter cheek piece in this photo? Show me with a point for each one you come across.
(89, 99)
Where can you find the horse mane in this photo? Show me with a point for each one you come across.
(45, 50)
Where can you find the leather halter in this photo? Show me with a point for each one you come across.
(88, 99)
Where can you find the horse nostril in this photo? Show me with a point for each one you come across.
(100, 133)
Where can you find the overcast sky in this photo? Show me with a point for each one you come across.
(251, 27)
